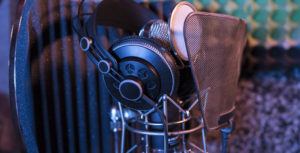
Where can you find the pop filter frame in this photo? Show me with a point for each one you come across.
(215, 45)
(176, 24)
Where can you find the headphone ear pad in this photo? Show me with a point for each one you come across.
(136, 54)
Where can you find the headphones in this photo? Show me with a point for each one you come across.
(141, 67)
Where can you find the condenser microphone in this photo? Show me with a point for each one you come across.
(171, 34)
(213, 45)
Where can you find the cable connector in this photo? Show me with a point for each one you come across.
(225, 132)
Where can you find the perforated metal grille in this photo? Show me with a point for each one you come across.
(215, 44)
(158, 31)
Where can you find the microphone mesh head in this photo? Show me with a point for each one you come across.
(157, 30)
(215, 45)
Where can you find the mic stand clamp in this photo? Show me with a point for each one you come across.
(146, 129)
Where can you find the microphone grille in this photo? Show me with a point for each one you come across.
(157, 30)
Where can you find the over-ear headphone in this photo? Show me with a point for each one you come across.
(135, 68)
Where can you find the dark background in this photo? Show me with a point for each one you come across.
(9, 142)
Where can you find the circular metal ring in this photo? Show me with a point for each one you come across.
(104, 66)
(125, 84)
(85, 43)
(151, 133)
(160, 124)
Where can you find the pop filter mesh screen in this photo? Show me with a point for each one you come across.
(215, 45)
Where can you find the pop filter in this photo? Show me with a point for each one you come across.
(215, 45)
(179, 13)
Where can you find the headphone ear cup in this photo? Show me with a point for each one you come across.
(145, 60)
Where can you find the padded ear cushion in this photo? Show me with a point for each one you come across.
(148, 52)
(185, 86)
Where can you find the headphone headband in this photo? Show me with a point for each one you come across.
(124, 14)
